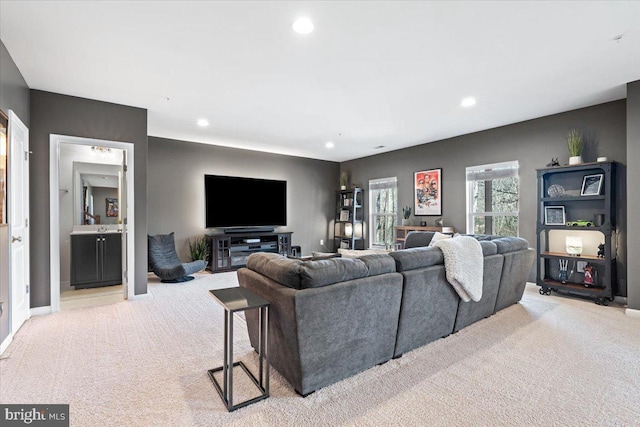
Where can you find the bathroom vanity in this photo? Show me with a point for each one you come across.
(96, 259)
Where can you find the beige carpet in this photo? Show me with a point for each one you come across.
(548, 361)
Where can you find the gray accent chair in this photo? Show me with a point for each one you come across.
(164, 261)
(417, 239)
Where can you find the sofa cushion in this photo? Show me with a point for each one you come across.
(379, 264)
(488, 248)
(482, 237)
(276, 267)
(510, 244)
(315, 256)
(410, 259)
(315, 274)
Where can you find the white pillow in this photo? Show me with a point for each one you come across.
(356, 253)
(438, 236)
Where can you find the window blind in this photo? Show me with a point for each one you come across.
(383, 183)
(493, 171)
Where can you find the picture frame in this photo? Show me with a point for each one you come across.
(427, 192)
(111, 207)
(592, 184)
(554, 215)
(4, 149)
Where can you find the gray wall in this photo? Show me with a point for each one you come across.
(67, 115)
(14, 95)
(533, 143)
(176, 189)
(633, 200)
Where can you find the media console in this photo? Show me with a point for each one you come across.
(229, 251)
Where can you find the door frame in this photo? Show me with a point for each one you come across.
(54, 207)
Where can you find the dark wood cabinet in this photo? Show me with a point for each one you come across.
(576, 230)
(230, 251)
(96, 260)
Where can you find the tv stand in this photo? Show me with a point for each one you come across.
(229, 251)
(245, 230)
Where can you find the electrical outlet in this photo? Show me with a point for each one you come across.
(321, 242)
(580, 266)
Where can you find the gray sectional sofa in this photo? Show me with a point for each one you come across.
(332, 318)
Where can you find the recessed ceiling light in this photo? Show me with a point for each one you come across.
(467, 102)
(302, 26)
(329, 144)
(203, 123)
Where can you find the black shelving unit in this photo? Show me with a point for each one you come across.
(601, 261)
(348, 232)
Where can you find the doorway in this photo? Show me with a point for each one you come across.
(89, 189)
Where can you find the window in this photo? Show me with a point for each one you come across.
(492, 199)
(383, 203)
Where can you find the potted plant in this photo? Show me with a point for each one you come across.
(198, 249)
(344, 178)
(575, 145)
(406, 214)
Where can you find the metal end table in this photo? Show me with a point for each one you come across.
(232, 300)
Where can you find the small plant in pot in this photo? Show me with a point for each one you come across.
(406, 214)
(575, 145)
(198, 249)
(344, 178)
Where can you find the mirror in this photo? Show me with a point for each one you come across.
(96, 194)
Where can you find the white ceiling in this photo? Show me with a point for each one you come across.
(372, 73)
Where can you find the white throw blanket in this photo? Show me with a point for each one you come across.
(463, 263)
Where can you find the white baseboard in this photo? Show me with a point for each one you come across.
(39, 311)
(632, 312)
(620, 300)
(5, 343)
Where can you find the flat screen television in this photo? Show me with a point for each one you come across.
(232, 201)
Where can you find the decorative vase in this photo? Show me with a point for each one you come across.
(343, 187)
(575, 160)
(406, 221)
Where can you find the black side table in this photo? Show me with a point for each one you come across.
(241, 299)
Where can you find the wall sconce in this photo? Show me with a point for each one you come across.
(574, 245)
(348, 230)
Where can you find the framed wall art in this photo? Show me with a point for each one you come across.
(427, 192)
(112, 207)
(591, 185)
(4, 148)
(554, 215)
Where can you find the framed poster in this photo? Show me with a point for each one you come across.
(554, 215)
(591, 185)
(112, 207)
(4, 122)
(427, 192)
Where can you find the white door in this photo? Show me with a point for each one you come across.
(122, 217)
(18, 202)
